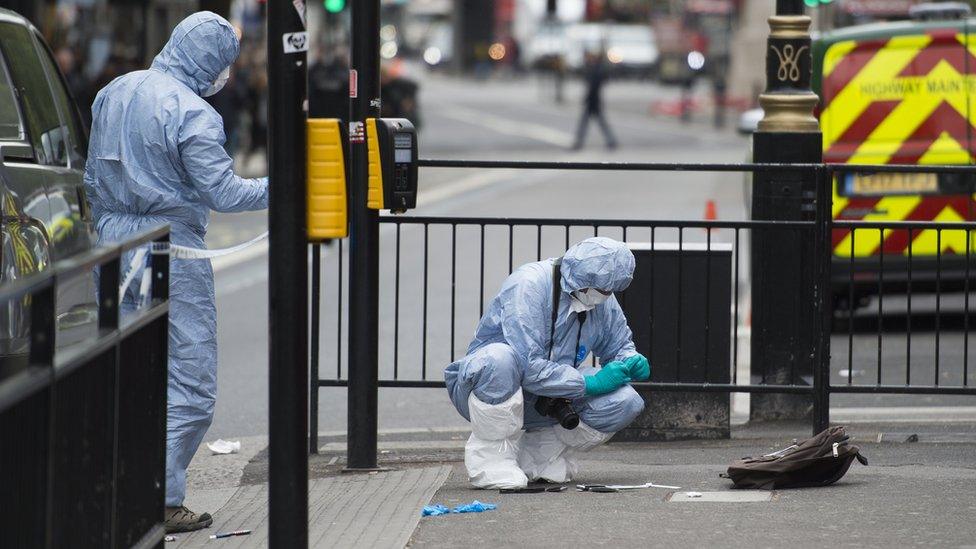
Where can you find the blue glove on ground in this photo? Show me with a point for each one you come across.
(611, 377)
(640, 369)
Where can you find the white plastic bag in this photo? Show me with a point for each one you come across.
(221, 446)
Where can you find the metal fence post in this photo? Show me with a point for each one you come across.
(41, 353)
(160, 271)
(108, 294)
(108, 319)
(288, 277)
(821, 366)
(313, 367)
(363, 243)
(42, 328)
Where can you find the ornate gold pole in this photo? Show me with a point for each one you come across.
(788, 102)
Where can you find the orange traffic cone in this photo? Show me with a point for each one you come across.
(710, 212)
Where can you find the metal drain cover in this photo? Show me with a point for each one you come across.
(728, 496)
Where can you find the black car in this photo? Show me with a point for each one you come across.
(43, 146)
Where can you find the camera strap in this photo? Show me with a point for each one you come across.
(556, 290)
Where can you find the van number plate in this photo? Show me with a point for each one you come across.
(878, 184)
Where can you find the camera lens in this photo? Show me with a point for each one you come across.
(560, 409)
(563, 411)
(567, 417)
(571, 421)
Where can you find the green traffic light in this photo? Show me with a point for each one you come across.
(334, 6)
(815, 3)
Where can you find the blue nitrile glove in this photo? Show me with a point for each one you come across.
(611, 377)
(640, 369)
(434, 510)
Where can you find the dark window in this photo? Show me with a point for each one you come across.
(10, 126)
(47, 135)
(77, 140)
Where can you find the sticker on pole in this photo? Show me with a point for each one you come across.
(357, 132)
(295, 42)
(353, 83)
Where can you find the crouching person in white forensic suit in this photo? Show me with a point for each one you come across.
(531, 343)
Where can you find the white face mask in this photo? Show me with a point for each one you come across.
(218, 84)
(587, 299)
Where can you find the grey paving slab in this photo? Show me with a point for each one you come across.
(208, 471)
(728, 496)
(375, 510)
(911, 495)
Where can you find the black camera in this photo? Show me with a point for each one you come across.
(559, 408)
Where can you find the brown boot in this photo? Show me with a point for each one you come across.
(181, 519)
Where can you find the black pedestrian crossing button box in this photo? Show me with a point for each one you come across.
(391, 146)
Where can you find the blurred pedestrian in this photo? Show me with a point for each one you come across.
(513, 54)
(328, 84)
(398, 94)
(230, 103)
(257, 101)
(113, 68)
(77, 83)
(596, 76)
(156, 156)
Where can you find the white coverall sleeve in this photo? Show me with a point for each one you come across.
(526, 315)
(616, 341)
(211, 171)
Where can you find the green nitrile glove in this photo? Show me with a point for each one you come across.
(640, 369)
(610, 378)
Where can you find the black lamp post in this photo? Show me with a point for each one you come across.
(783, 324)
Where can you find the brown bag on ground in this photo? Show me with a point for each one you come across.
(818, 461)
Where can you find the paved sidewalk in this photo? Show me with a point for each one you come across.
(344, 509)
(374, 510)
(913, 493)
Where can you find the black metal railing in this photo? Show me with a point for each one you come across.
(83, 426)
(449, 294)
(437, 275)
(901, 293)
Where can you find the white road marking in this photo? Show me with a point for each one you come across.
(507, 126)
(904, 414)
(473, 182)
